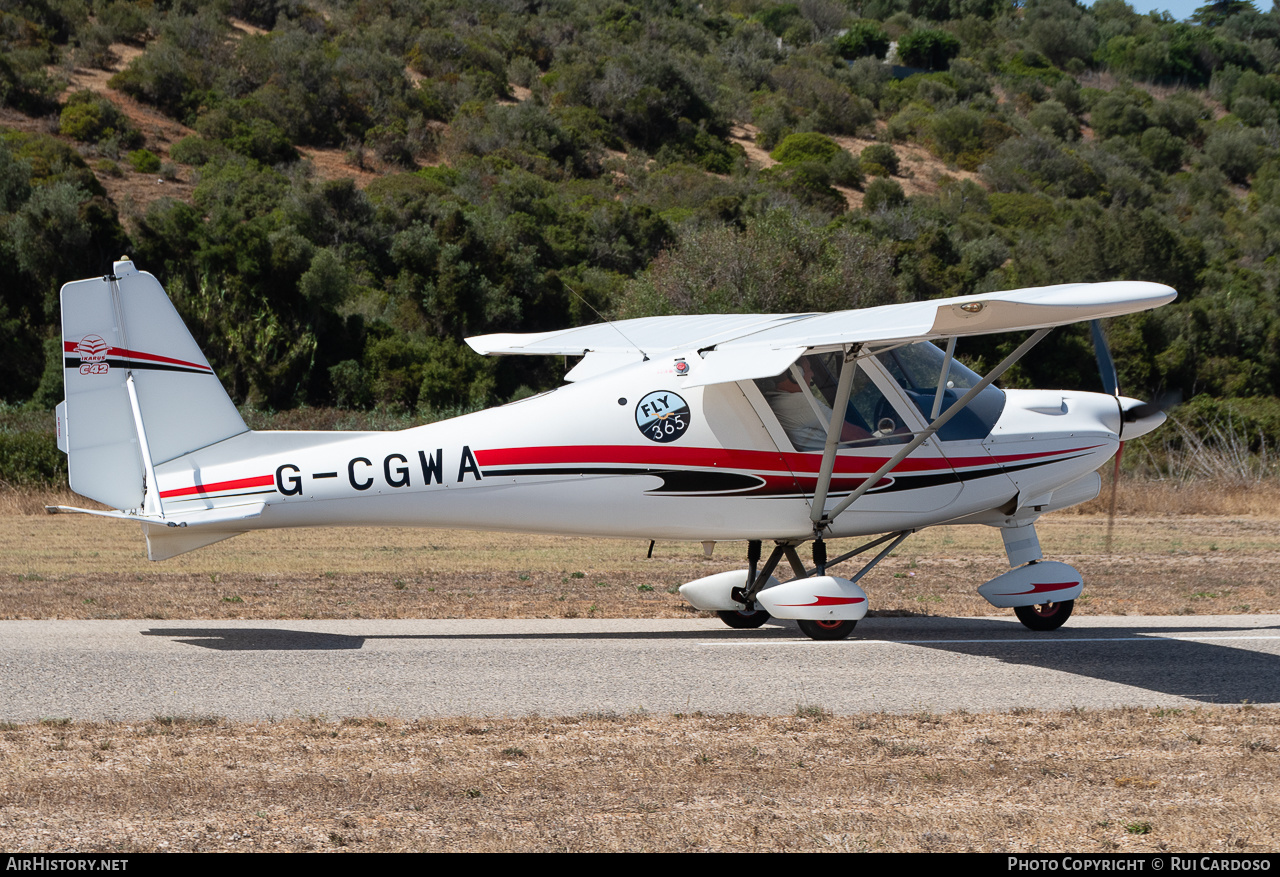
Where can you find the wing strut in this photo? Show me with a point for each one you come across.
(822, 519)
(843, 391)
(942, 377)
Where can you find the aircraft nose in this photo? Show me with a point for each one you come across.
(1098, 408)
(1139, 417)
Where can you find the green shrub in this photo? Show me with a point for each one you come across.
(164, 77)
(237, 126)
(932, 49)
(863, 38)
(883, 194)
(845, 170)
(107, 168)
(1021, 210)
(964, 136)
(810, 146)
(126, 22)
(1237, 152)
(91, 118)
(1052, 117)
(809, 182)
(196, 150)
(1121, 113)
(819, 101)
(780, 18)
(144, 161)
(1162, 149)
(879, 160)
(31, 459)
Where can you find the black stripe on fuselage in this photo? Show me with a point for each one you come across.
(701, 481)
(214, 495)
(673, 480)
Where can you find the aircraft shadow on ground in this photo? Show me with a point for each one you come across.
(1138, 656)
(249, 639)
(1160, 659)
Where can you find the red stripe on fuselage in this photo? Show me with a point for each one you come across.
(220, 486)
(722, 458)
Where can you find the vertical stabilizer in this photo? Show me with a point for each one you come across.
(120, 330)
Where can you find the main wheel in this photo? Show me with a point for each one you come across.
(827, 630)
(743, 619)
(1046, 616)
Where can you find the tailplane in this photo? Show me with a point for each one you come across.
(138, 390)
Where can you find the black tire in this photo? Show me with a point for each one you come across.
(1046, 616)
(743, 619)
(827, 630)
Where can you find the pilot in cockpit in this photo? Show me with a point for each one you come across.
(803, 415)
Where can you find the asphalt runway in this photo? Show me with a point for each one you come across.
(255, 670)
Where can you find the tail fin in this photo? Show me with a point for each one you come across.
(138, 390)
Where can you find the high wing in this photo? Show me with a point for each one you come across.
(745, 346)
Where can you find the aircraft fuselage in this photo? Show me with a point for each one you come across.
(632, 453)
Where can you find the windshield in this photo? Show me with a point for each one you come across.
(802, 396)
(916, 368)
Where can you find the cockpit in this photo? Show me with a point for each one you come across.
(895, 393)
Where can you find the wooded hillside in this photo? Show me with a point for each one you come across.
(336, 193)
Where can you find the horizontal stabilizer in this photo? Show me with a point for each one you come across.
(179, 533)
(200, 518)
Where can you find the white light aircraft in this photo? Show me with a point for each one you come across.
(791, 429)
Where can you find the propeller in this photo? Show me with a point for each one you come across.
(1130, 414)
(1106, 365)
(1111, 385)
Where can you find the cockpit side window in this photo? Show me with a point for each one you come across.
(802, 396)
(916, 368)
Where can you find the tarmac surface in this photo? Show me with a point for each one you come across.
(257, 670)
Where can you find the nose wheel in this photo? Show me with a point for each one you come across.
(1045, 616)
(743, 619)
(827, 630)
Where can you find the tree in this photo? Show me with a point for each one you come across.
(931, 49)
(778, 263)
(1215, 14)
(863, 38)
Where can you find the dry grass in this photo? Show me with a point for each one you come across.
(1220, 561)
(1124, 780)
(1169, 499)
(1082, 780)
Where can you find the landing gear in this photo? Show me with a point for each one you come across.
(827, 630)
(743, 619)
(1046, 616)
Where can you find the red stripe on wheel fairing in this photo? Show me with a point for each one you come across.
(829, 601)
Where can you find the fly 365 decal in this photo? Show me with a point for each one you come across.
(662, 416)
